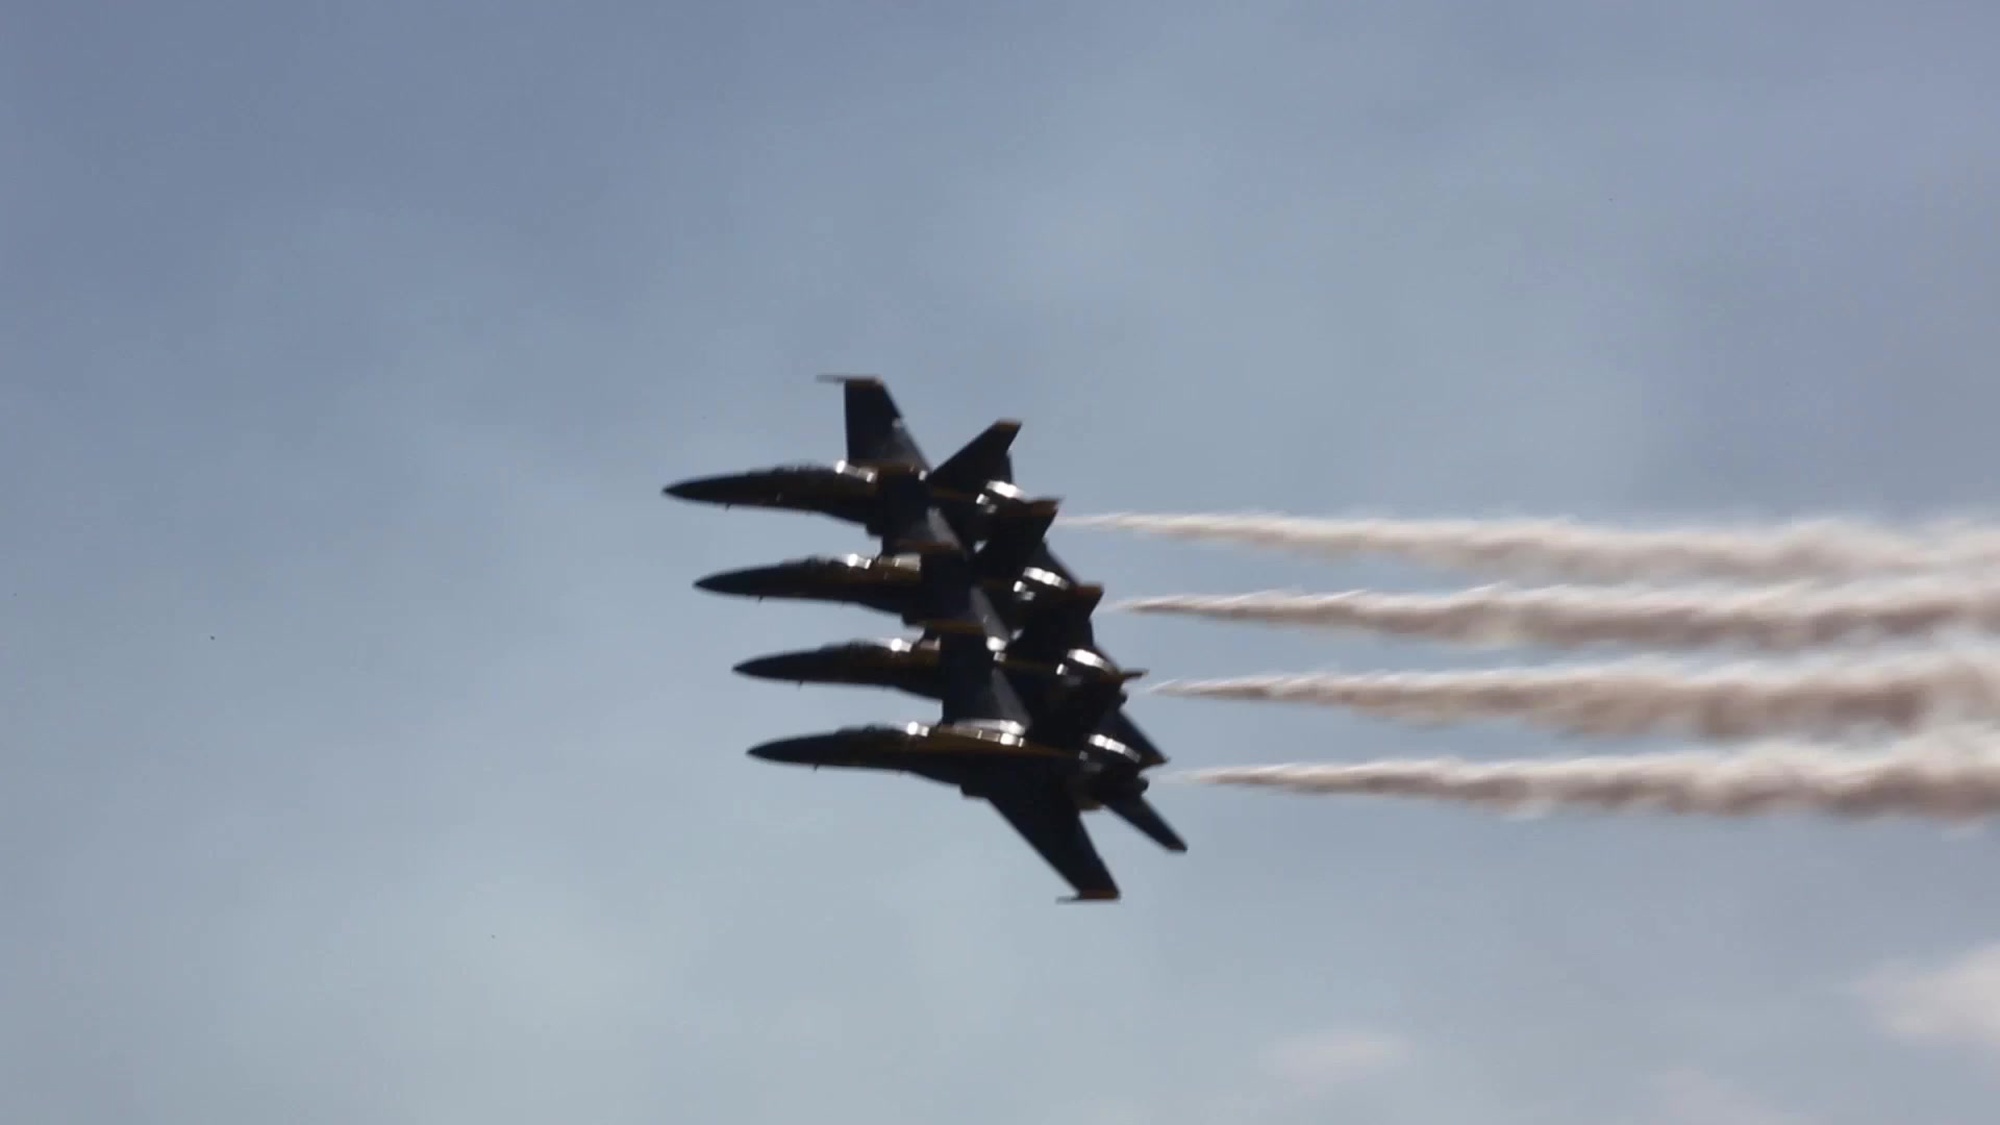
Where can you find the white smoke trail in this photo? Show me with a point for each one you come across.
(1635, 697)
(1822, 548)
(1927, 777)
(1778, 619)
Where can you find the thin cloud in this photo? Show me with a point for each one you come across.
(1686, 1096)
(1956, 1002)
(1316, 1063)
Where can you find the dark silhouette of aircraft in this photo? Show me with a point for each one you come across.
(885, 483)
(893, 583)
(1041, 769)
(1054, 636)
(1032, 710)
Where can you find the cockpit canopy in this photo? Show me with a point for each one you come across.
(1104, 745)
(885, 729)
(817, 469)
(855, 562)
(1002, 731)
(1082, 661)
(849, 469)
(1034, 578)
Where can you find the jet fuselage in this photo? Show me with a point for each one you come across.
(914, 669)
(843, 491)
(848, 493)
(967, 755)
(886, 583)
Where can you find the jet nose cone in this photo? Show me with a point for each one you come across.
(790, 666)
(704, 490)
(742, 583)
(813, 749)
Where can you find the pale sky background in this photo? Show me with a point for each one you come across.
(369, 758)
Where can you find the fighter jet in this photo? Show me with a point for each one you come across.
(893, 582)
(966, 489)
(1040, 770)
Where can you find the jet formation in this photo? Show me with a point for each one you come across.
(1032, 712)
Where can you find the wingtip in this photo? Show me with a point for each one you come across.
(1091, 896)
(844, 378)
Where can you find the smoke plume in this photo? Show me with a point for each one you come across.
(1823, 549)
(1727, 702)
(1778, 619)
(1928, 777)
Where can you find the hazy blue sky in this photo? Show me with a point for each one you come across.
(368, 756)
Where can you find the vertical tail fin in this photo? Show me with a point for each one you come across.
(906, 522)
(944, 588)
(1077, 709)
(876, 435)
(984, 459)
(1060, 626)
(974, 688)
(949, 597)
(1014, 537)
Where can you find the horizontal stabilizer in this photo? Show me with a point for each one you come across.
(984, 459)
(1014, 537)
(1061, 625)
(1139, 814)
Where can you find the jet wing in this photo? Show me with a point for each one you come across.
(1040, 811)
